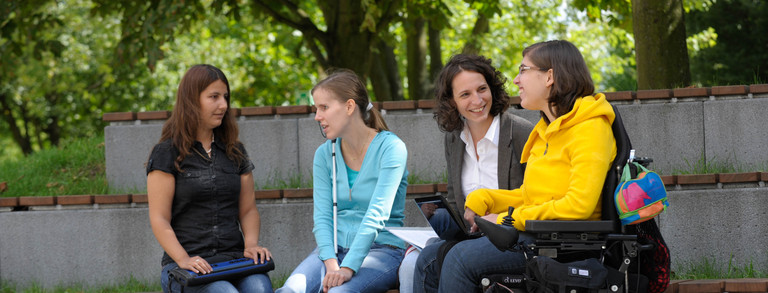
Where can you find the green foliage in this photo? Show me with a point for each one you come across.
(617, 13)
(278, 281)
(265, 63)
(55, 94)
(730, 36)
(277, 181)
(608, 50)
(436, 12)
(711, 166)
(116, 56)
(702, 5)
(8, 151)
(130, 285)
(711, 268)
(427, 177)
(702, 40)
(415, 179)
(75, 167)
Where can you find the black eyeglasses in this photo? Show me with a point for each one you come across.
(523, 68)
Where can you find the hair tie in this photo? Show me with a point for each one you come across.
(370, 106)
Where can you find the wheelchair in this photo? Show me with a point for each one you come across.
(601, 256)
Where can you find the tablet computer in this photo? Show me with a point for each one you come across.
(444, 219)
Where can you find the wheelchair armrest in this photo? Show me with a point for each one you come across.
(550, 226)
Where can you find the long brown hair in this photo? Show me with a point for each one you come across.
(181, 127)
(572, 78)
(345, 84)
(446, 114)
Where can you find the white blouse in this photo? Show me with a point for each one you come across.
(481, 171)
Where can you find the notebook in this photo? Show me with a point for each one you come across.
(444, 219)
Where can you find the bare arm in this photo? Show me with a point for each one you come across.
(250, 221)
(160, 189)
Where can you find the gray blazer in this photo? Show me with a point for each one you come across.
(513, 133)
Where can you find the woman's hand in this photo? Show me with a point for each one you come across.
(428, 209)
(336, 278)
(196, 264)
(469, 215)
(259, 254)
(490, 218)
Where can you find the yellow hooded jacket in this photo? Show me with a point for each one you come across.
(567, 164)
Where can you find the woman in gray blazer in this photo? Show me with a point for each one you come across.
(513, 134)
(483, 143)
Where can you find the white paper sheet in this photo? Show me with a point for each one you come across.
(416, 236)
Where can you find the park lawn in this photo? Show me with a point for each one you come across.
(75, 167)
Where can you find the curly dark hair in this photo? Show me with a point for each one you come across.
(446, 114)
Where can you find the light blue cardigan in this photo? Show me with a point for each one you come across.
(376, 200)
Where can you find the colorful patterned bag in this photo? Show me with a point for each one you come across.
(642, 198)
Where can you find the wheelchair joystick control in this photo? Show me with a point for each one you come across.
(508, 220)
(504, 236)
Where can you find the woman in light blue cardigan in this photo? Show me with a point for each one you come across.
(354, 253)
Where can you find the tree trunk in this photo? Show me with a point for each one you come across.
(53, 130)
(378, 79)
(51, 125)
(416, 51)
(21, 140)
(384, 74)
(348, 46)
(661, 51)
(435, 53)
(352, 28)
(482, 25)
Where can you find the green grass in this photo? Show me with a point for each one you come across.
(704, 166)
(277, 181)
(418, 178)
(77, 166)
(278, 281)
(131, 285)
(710, 268)
(716, 165)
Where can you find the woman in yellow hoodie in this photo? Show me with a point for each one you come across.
(568, 153)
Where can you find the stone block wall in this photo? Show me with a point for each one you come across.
(678, 128)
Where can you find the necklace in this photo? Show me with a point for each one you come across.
(208, 151)
(207, 158)
(359, 155)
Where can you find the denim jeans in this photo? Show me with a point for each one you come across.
(252, 283)
(443, 225)
(464, 265)
(378, 272)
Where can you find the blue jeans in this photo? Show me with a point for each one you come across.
(378, 272)
(464, 265)
(252, 283)
(443, 225)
